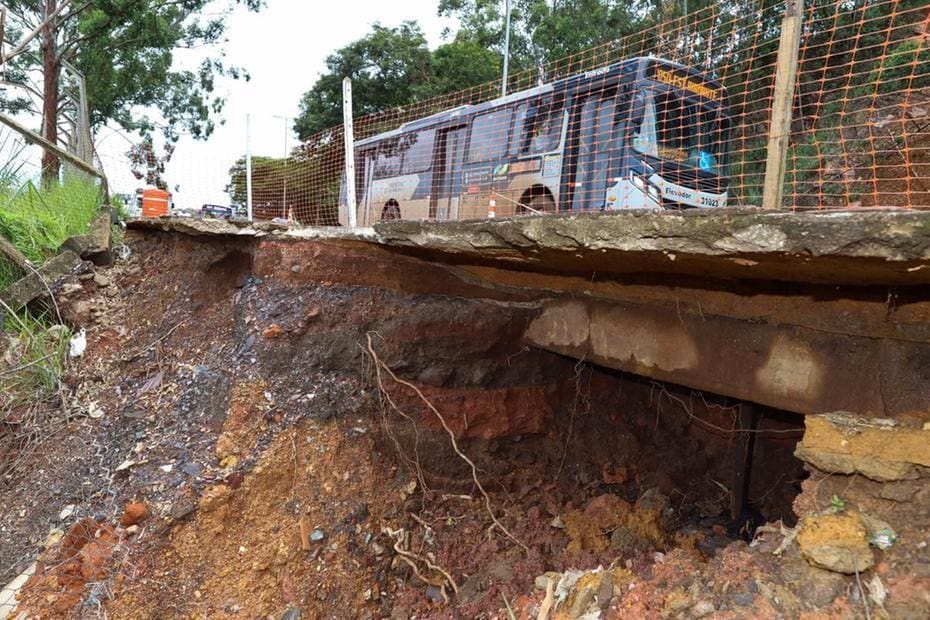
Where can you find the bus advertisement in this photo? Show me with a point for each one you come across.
(644, 133)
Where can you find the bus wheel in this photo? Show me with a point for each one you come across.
(538, 203)
(391, 211)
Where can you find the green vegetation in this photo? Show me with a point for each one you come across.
(126, 51)
(38, 221)
(38, 352)
(33, 361)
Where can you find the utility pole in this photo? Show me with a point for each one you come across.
(506, 49)
(284, 195)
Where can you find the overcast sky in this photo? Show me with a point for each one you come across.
(283, 48)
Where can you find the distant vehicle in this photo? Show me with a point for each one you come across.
(641, 133)
(217, 211)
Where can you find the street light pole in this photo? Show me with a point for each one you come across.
(506, 50)
(284, 196)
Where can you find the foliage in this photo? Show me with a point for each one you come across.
(147, 165)
(39, 355)
(38, 221)
(126, 51)
(308, 189)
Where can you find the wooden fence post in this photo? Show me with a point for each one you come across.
(786, 71)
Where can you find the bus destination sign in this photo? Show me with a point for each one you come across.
(680, 79)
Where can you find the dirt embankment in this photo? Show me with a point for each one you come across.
(276, 466)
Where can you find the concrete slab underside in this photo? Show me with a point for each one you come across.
(809, 312)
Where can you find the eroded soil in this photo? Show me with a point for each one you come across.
(288, 472)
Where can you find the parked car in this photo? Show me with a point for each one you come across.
(216, 211)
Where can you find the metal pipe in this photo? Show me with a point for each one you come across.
(506, 51)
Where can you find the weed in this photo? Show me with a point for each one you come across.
(38, 221)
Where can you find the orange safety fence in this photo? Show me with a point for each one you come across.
(674, 116)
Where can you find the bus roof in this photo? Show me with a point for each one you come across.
(466, 110)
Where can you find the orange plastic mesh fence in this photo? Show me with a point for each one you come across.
(674, 116)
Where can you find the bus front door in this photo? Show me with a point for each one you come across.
(447, 173)
(588, 150)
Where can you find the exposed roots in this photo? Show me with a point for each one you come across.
(380, 367)
(401, 543)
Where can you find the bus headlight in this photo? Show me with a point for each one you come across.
(653, 192)
(638, 181)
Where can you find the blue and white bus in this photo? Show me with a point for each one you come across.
(642, 133)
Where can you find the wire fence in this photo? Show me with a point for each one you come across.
(599, 130)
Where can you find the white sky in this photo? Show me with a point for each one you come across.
(284, 49)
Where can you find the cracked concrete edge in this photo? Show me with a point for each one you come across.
(881, 234)
(870, 247)
(239, 228)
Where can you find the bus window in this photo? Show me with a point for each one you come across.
(489, 133)
(676, 129)
(389, 158)
(419, 147)
(543, 127)
(518, 123)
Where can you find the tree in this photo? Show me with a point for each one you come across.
(125, 49)
(387, 67)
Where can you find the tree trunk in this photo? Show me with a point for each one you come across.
(51, 71)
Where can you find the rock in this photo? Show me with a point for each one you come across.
(77, 313)
(101, 280)
(58, 333)
(702, 608)
(836, 542)
(675, 601)
(66, 512)
(70, 288)
(214, 497)
(292, 613)
(36, 283)
(317, 535)
(191, 469)
(881, 449)
(100, 230)
(182, 508)
(628, 542)
(135, 512)
(272, 332)
(606, 511)
(224, 447)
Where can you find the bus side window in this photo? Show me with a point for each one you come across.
(389, 160)
(419, 151)
(543, 127)
(518, 124)
(489, 133)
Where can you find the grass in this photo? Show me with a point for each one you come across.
(38, 221)
(38, 359)
(32, 397)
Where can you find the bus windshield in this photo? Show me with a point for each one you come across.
(676, 128)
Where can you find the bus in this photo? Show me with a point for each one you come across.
(641, 133)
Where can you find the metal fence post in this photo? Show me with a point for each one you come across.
(350, 152)
(786, 71)
(248, 165)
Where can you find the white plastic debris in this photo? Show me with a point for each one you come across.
(94, 412)
(78, 344)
